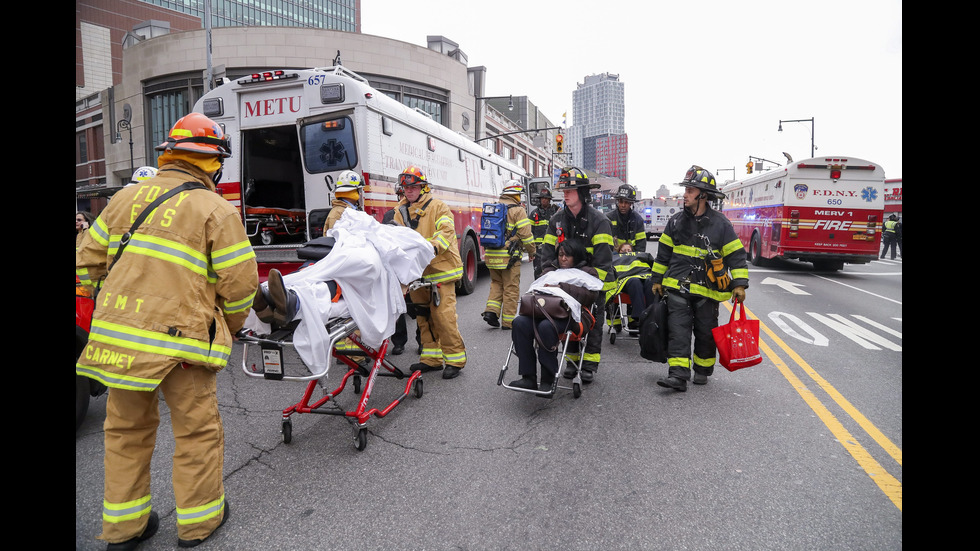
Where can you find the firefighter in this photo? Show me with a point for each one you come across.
(539, 224)
(579, 220)
(700, 263)
(505, 263)
(163, 323)
(346, 194)
(627, 224)
(438, 328)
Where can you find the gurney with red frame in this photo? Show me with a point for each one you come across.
(272, 347)
(579, 333)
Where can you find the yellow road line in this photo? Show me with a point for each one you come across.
(888, 484)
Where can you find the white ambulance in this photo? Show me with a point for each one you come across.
(294, 131)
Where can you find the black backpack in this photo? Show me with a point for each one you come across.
(653, 331)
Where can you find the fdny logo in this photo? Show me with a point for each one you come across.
(800, 190)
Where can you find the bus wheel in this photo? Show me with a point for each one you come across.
(755, 250)
(468, 255)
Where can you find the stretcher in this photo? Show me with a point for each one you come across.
(269, 223)
(618, 312)
(577, 333)
(273, 346)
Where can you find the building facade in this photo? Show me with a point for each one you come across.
(597, 135)
(158, 72)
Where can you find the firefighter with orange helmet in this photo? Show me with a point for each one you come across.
(505, 271)
(438, 328)
(163, 323)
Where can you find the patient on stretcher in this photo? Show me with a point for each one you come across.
(361, 278)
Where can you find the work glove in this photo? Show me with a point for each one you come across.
(738, 294)
(718, 274)
(658, 289)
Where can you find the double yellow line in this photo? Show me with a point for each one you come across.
(888, 484)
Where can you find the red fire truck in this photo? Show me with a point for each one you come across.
(825, 210)
(294, 131)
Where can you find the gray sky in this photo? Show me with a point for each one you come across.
(706, 82)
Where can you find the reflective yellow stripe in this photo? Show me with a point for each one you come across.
(195, 515)
(440, 277)
(731, 247)
(459, 358)
(113, 380)
(230, 256)
(700, 290)
(120, 512)
(703, 362)
(155, 342)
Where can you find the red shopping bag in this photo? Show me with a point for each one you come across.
(738, 341)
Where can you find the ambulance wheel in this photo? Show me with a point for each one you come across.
(468, 255)
(287, 431)
(576, 390)
(418, 388)
(360, 439)
(357, 384)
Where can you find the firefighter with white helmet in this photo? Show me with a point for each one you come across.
(346, 194)
(438, 328)
(163, 324)
(505, 263)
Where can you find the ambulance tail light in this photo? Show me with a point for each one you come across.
(794, 223)
(872, 224)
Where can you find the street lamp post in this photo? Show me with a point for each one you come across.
(810, 120)
(123, 124)
(478, 114)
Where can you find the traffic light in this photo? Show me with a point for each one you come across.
(748, 167)
(559, 143)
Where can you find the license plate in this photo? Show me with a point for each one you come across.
(272, 362)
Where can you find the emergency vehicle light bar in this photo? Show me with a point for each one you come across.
(267, 76)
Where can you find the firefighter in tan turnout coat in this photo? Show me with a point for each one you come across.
(166, 310)
(438, 328)
(505, 271)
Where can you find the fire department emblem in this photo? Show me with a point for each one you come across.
(800, 190)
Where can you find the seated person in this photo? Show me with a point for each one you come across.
(633, 271)
(571, 255)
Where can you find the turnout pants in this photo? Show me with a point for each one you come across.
(689, 315)
(130, 426)
(439, 332)
(505, 292)
(593, 345)
(523, 337)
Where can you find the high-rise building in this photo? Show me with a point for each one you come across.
(597, 137)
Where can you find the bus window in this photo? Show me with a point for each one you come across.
(328, 145)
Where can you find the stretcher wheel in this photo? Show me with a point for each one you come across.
(287, 431)
(360, 439)
(418, 388)
(612, 337)
(576, 390)
(357, 384)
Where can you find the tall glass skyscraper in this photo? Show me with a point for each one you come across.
(598, 136)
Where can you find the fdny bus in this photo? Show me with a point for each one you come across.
(294, 131)
(825, 210)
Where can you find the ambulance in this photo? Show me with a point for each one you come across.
(827, 211)
(294, 131)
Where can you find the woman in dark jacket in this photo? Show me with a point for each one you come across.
(570, 254)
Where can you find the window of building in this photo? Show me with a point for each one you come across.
(166, 102)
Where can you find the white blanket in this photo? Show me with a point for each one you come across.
(370, 262)
(548, 283)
